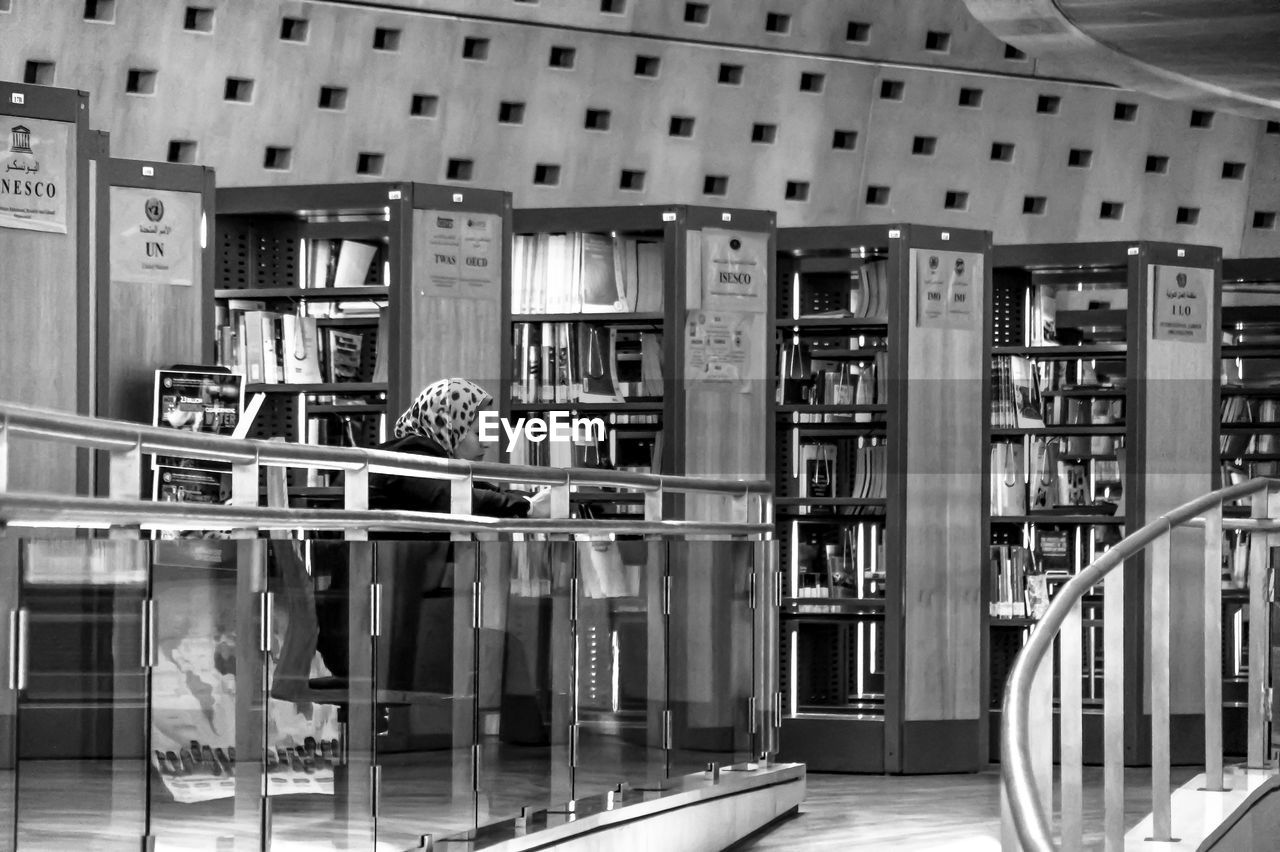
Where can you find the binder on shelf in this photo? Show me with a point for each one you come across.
(354, 262)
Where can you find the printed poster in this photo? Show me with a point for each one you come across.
(154, 236)
(444, 246)
(481, 265)
(734, 263)
(718, 347)
(1180, 302)
(34, 180)
(198, 401)
(948, 288)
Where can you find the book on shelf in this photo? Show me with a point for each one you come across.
(1043, 321)
(355, 263)
(344, 355)
(382, 354)
(1008, 566)
(869, 299)
(1015, 393)
(816, 472)
(583, 272)
(300, 353)
(1052, 552)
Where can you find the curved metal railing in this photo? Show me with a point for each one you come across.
(1024, 776)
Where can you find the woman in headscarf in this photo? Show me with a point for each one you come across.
(443, 422)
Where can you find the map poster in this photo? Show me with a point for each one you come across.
(34, 175)
(154, 236)
(1180, 302)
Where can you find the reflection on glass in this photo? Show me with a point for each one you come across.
(81, 720)
(319, 716)
(426, 689)
(526, 686)
(711, 653)
(205, 693)
(621, 665)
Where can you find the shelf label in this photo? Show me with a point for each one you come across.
(946, 236)
(947, 288)
(894, 234)
(1182, 252)
(18, 98)
(669, 216)
(155, 236)
(148, 171)
(1133, 250)
(394, 195)
(33, 183)
(1180, 302)
(457, 198)
(726, 217)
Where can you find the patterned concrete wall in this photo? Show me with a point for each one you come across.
(861, 111)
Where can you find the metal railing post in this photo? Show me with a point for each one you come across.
(1213, 649)
(1113, 710)
(1070, 724)
(1162, 816)
(355, 498)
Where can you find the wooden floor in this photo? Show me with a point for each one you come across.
(931, 812)
(925, 812)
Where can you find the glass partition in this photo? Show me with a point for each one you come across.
(621, 665)
(526, 679)
(81, 705)
(711, 653)
(206, 697)
(321, 716)
(426, 673)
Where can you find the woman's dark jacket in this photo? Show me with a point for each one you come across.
(423, 494)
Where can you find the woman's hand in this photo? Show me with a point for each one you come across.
(540, 504)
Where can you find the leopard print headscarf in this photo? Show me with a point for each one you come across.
(444, 412)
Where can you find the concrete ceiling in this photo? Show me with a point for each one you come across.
(1221, 54)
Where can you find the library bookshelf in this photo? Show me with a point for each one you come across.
(1104, 412)
(879, 463)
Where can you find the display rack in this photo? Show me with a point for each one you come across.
(1098, 350)
(879, 450)
(401, 284)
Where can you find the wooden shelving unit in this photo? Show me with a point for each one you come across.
(880, 641)
(443, 316)
(1094, 323)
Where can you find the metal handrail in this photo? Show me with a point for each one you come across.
(99, 433)
(1029, 817)
(52, 511)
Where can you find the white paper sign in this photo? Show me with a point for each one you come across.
(481, 267)
(1180, 302)
(154, 236)
(734, 263)
(34, 175)
(947, 287)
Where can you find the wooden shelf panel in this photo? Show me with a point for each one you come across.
(360, 408)
(1098, 393)
(643, 318)
(834, 502)
(1048, 519)
(1058, 353)
(624, 407)
(1054, 431)
(832, 322)
(1251, 390)
(830, 409)
(1251, 350)
(321, 294)
(343, 388)
(1097, 318)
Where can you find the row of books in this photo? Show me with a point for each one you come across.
(1242, 411)
(635, 449)
(1019, 587)
(1047, 478)
(567, 362)
(867, 295)
(851, 566)
(340, 263)
(585, 273)
(833, 469)
(270, 347)
(1044, 301)
(831, 382)
(1015, 393)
